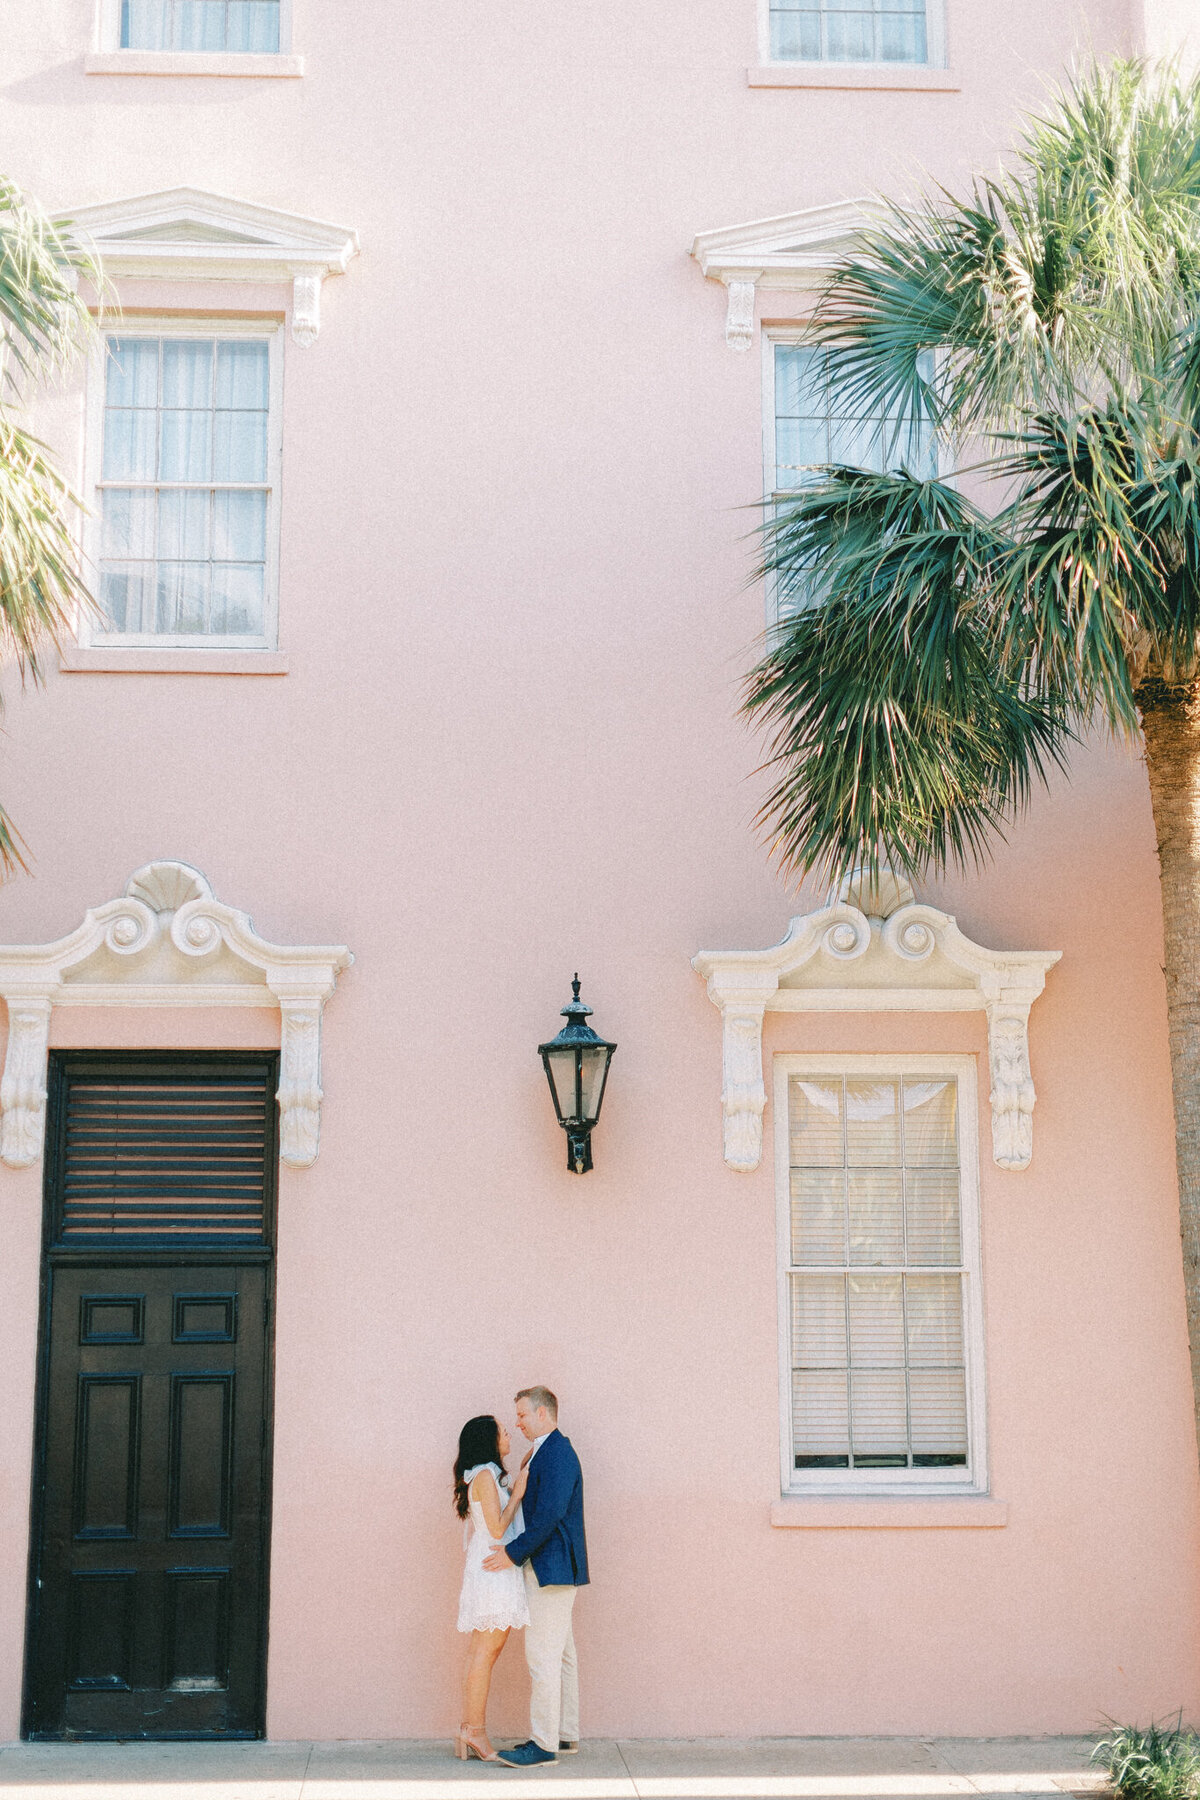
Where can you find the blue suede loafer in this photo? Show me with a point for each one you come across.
(528, 1756)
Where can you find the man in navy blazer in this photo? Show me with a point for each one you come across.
(553, 1550)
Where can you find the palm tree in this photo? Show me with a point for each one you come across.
(42, 321)
(944, 641)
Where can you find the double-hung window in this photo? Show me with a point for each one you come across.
(853, 31)
(185, 432)
(806, 428)
(201, 25)
(881, 1334)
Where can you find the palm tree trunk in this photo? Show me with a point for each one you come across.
(1171, 727)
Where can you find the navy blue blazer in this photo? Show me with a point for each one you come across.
(553, 1539)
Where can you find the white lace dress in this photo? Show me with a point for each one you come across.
(491, 1599)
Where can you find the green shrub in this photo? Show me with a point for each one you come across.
(1161, 1762)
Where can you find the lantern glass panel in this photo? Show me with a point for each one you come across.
(595, 1067)
(561, 1064)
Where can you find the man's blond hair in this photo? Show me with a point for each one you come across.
(540, 1396)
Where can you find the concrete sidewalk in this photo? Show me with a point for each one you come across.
(605, 1769)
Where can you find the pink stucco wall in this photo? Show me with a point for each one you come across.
(513, 595)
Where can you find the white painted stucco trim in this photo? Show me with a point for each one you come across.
(165, 942)
(902, 78)
(223, 64)
(188, 234)
(793, 251)
(896, 956)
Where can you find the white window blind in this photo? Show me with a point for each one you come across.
(185, 493)
(857, 31)
(875, 1274)
(250, 25)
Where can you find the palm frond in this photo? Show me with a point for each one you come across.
(937, 661)
(42, 317)
(40, 583)
(894, 732)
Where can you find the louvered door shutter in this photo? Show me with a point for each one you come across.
(162, 1152)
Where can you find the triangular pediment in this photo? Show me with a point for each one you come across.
(790, 250)
(178, 223)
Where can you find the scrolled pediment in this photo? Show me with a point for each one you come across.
(166, 941)
(876, 949)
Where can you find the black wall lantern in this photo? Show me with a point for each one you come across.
(576, 1063)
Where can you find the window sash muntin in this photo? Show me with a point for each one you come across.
(820, 33)
(90, 631)
(845, 1480)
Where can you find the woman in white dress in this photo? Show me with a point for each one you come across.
(492, 1603)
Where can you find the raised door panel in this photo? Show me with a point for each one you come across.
(201, 1504)
(107, 1443)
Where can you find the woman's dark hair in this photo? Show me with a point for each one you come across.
(478, 1442)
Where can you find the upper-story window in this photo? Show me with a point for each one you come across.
(805, 428)
(187, 458)
(207, 25)
(850, 31)
(880, 1272)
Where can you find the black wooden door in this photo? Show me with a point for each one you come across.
(148, 1584)
(150, 1578)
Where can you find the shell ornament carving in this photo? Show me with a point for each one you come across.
(166, 886)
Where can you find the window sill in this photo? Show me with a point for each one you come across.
(890, 1514)
(853, 75)
(193, 62)
(117, 661)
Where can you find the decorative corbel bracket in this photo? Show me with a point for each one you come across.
(143, 950)
(794, 252)
(875, 949)
(23, 1087)
(306, 309)
(739, 310)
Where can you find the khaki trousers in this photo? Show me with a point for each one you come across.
(553, 1670)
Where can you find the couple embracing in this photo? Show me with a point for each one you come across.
(525, 1557)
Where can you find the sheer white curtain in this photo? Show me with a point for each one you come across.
(184, 498)
(248, 25)
(849, 31)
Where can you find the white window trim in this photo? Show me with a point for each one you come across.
(108, 39)
(885, 1483)
(266, 331)
(935, 45)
